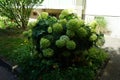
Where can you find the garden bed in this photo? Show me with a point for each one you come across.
(56, 49)
(16, 69)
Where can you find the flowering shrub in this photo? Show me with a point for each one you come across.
(64, 42)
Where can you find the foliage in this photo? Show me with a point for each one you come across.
(48, 52)
(2, 25)
(81, 73)
(94, 58)
(101, 21)
(5, 22)
(69, 54)
(10, 39)
(18, 10)
(70, 45)
(44, 43)
(83, 39)
(101, 24)
(58, 44)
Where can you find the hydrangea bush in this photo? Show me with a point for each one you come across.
(63, 41)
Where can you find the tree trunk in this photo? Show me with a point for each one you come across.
(24, 24)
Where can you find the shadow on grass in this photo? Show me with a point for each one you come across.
(10, 39)
(10, 32)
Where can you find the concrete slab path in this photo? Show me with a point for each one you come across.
(112, 70)
(6, 75)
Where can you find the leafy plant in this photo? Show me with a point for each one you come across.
(95, 56)
(2, 25)
(18, 10)
(101, 24)
(59, 44)
(101, 21)
(72, 73)
(7, 23)
(69, 33)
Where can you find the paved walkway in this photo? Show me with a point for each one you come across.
(6, 75)
(112, 70)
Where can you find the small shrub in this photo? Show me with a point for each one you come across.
(6, 23)
(63, 43)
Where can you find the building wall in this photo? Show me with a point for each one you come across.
(54, 7)
(110, 9)
(79, 7)
(114, 26)
(37, 11)
(59, 4)
(53, 12)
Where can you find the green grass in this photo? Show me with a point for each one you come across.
(10, 39)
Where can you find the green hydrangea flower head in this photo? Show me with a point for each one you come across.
(63, 22)
(64, 13)
(82, 32)
(93, 30)
(60, 43)
(44, 43)
(49, 30)
(61, 16)
(81, 22)
(48, 52)
(70, 33)
(43, 15)
(71, 45)
(93, 24)
(53, 18)
(64, 37)
(31, 24)
(57, 27)
(93, 37)
(100, 42)
(73, 24)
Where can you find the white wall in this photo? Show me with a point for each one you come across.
(114, 26)
(103, 7)
(110, 9)
(59, 4)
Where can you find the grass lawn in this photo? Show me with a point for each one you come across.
(10, 39)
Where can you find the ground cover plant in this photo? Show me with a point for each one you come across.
(63, 49)
(10, 40)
